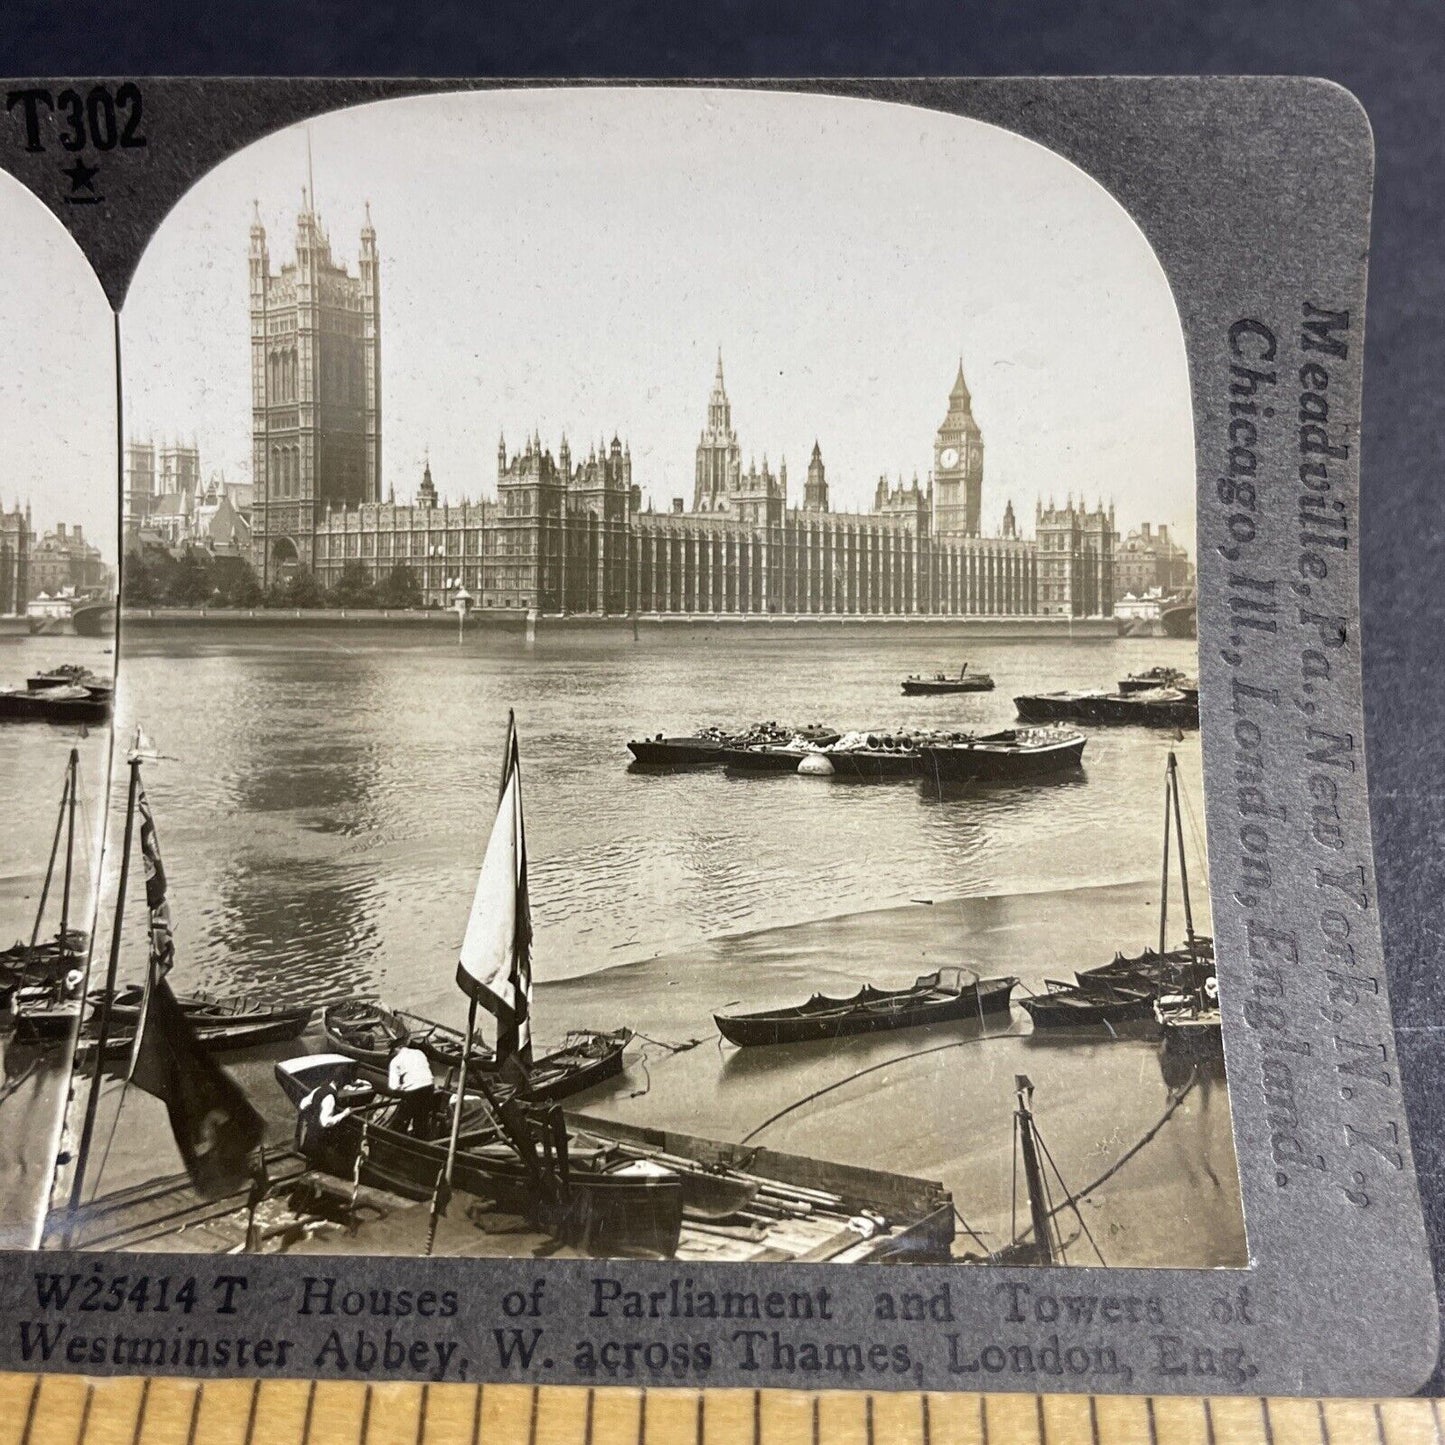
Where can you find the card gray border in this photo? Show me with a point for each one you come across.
(1255, 195)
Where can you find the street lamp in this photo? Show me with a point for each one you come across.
(463, 604)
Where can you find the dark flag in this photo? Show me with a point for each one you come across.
(215, 1126)
(163, 946)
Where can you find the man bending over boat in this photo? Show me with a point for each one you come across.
(409, 1077)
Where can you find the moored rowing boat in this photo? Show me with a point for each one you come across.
(940, 997)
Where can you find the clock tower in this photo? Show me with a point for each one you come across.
(958, 466)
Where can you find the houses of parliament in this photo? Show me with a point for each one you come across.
(568, 531)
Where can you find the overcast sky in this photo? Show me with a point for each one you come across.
(57, 379)
(573, 260)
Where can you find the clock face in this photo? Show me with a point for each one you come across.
(948, 457)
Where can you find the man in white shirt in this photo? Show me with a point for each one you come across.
(409, 1076)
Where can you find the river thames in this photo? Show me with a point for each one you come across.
(324, 794)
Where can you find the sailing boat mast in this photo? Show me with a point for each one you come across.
(69, 855)
(504, 870)
(1164, 879)
(1173, 778)
(1033, 1174)
(92, 1100)
(66, 794)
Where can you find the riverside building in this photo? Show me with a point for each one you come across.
(569, 533)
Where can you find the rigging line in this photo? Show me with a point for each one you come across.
(1058, 1233)
(1128, 1154)
(968, 1229)
(1083, 1223)
(1013, 1206)
(1196, 830)
(871, 1069)
(110, 1138)
(50, 867)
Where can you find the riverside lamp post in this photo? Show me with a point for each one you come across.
(463, 604)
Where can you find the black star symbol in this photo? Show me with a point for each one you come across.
(82, 176)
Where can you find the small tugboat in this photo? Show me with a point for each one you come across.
(56, 702)
(1003, 756)
(916, 685)
(940, 997)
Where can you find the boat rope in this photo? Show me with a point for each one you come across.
(1069, 1199)
(1196, 832)
(968, 1229)
(1129, 1153)
(681, 1048)
(860, 1073)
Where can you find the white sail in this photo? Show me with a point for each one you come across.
(495, 967)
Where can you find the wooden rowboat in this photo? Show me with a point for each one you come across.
(940, 997)
(218, 1031)
(367, 1032)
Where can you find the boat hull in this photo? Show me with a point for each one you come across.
(590, 1057)
(605, 1214)
(675, 752)
(1099, 708)
(876, 766)
(924, 687)
(994, 763)
(1194, 1037)
(1079, 1011)
(990, 995)
(53, 705)
(52, 1026)
(764, 760)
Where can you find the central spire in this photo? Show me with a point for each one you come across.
(960, 393)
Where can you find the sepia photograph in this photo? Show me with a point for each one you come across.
(541, 826)
(58, 554)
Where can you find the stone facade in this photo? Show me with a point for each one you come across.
(1149, 559)
(315, 388)
(1075, 560)
(567, 535)
(571, 534)
(15, 541)
(64, 560)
